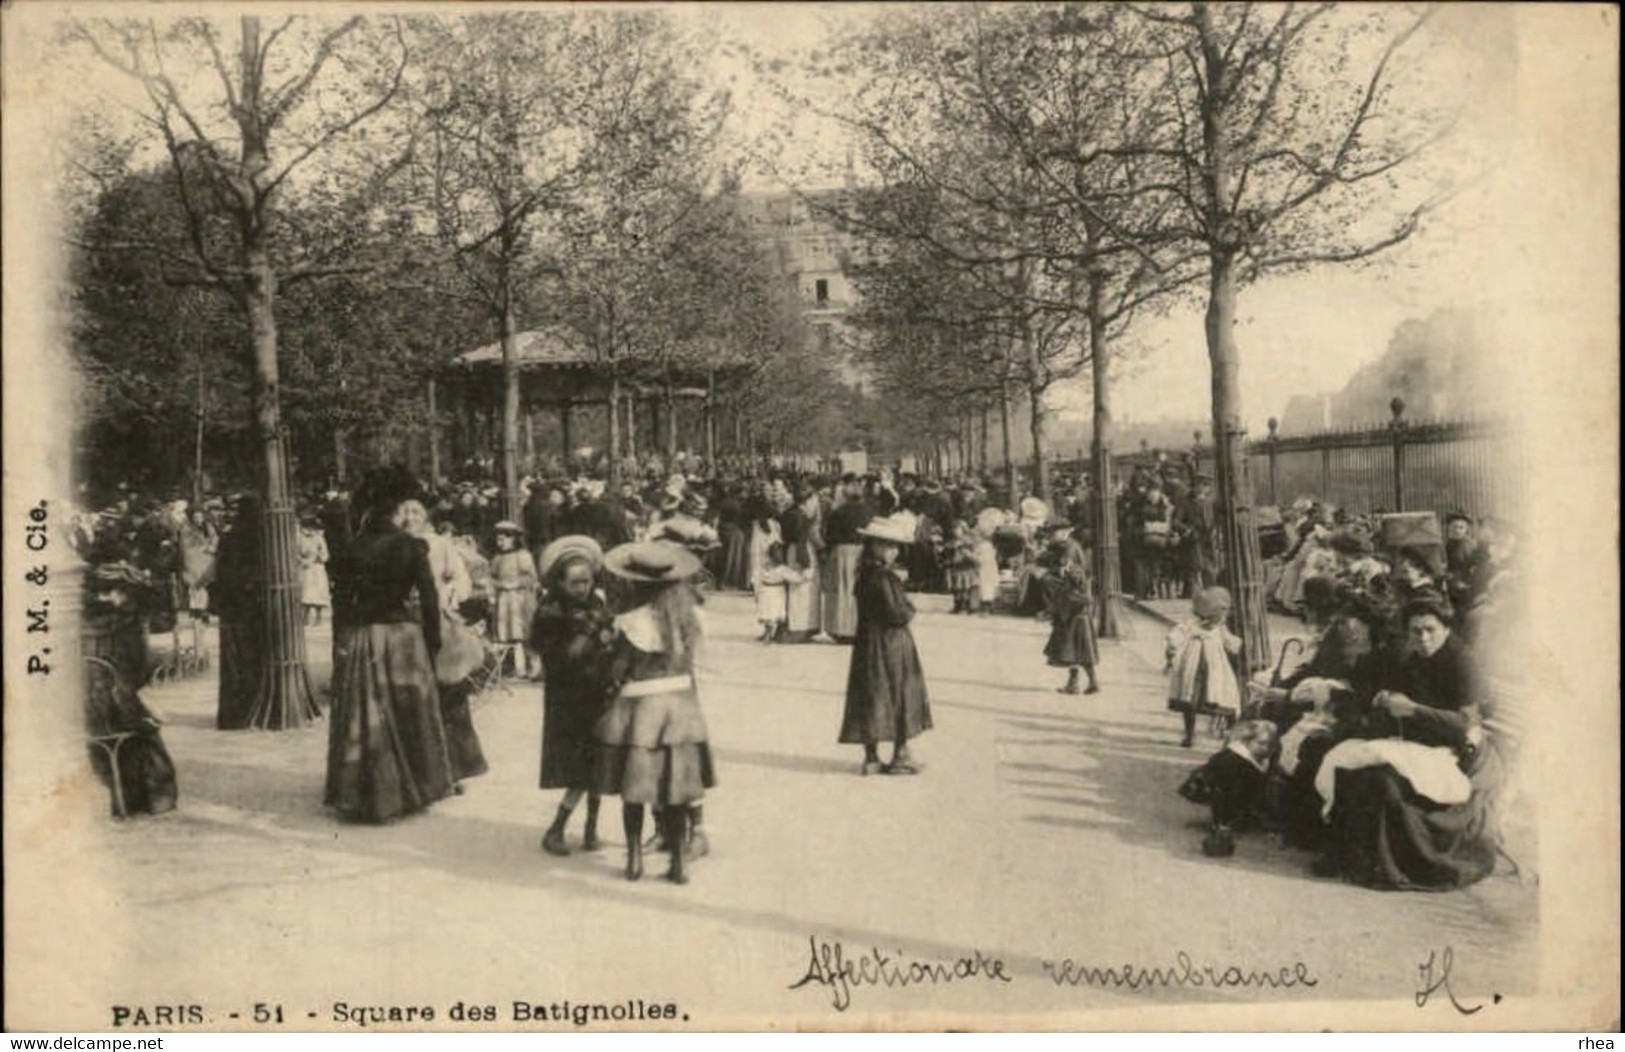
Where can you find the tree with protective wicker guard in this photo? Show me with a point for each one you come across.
(244, 124)
(1297, 138)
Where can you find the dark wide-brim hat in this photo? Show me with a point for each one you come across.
(652, 562)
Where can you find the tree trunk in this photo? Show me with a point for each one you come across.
(711, 419)
(528, 438)
(434, 435)
(341, 455)
(985, 456)
(285, 699)
(512, 502)
(614, 427)
(1243, 565)
(1038, 417)
(668, 392)
(631, 399)
(1108, 570)
(1013, 497)
(197, 464)
(565, 445)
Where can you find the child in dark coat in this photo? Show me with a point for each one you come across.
(886, 697)
(1231, 784)
(1069, 592)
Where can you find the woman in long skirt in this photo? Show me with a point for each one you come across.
(764, 534)
(235, 600)
(461, 650)
(127, 743)
(653, 749)
(734, 526)
(572, 632)
(886, 698)
(801, 549)
(386, 753)
(1070, 588)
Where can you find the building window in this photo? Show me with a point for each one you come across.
(821, 293)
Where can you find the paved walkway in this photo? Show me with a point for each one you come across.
(1044, 827)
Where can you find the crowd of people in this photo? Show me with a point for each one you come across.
(598, 591)
(1386, 749)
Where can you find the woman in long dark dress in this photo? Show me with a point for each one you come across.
(387, 753)
(235, 600)
(572, 631)
(652, 746)
(886, 698)
(1384, 834)
(1069, 588)
(734, 526)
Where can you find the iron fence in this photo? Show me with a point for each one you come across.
(1474, 466)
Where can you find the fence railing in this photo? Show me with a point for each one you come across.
(1474, 466)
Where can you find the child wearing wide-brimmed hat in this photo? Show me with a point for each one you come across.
(1201, 678)
(653, 749)
(572, 633)
(886, 697)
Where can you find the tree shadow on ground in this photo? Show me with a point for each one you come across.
(480, 850)
(779, 761)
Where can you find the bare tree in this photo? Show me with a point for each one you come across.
(240, 125)
(1294, 142)
(502, 148)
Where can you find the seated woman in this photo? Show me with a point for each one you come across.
(1340, 649)
(1399, 817)
(126, 742)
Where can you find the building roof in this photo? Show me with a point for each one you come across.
(538, 349)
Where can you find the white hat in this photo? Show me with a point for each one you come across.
(898, 528)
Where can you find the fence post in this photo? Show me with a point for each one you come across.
(1325, 469)
(1397, 426)
(1275, 494)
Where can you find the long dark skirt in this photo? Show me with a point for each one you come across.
(1072, 638)
(386, 753)
(240, 663)
(1385, 836)
(886, 697)
(568, 716)
(735, 575)
(462, 743)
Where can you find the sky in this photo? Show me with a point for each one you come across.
(1304, 334)
(1301, 335)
